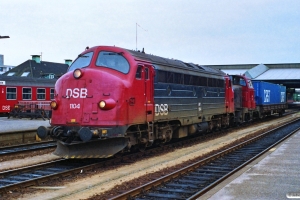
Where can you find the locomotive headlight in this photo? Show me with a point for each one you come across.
(53, 105)
(77, 73)
(107, 104)
(102, 104)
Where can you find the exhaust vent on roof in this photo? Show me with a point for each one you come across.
(68, 61)
(36, 58)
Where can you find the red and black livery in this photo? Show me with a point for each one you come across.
(113, 99)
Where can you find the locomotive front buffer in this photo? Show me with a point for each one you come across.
(86, 148)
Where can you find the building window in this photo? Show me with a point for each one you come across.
(11, 93)
(41, 94)
(1, 69)
(10, 73)
(52, 93)
(25, 73)
(26, 94)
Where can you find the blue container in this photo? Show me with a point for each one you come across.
(269, 93)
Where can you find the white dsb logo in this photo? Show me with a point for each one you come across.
(77, 92)
(6, 107)
(161, 109)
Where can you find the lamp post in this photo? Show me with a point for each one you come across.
(3, 37)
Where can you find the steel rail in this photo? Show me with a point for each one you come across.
(9, 150)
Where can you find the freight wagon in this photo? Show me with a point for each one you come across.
(269, 98)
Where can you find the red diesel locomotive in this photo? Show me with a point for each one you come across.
(113, 99)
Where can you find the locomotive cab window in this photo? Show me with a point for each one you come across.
(242, 82)
(113, 60)
(236, 80)
(81, 61)
(26, 94)
(11, 93)
(41, 94)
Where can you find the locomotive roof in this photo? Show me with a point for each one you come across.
(173, 63)
(26, 81)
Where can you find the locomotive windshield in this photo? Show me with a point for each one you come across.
(237, 80)
(112, 60)
(81, 61)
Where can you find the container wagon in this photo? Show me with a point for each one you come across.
(269, 98)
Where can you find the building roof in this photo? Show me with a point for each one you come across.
(287, 74)
(280, 74)
(38, 69)
(256, 71)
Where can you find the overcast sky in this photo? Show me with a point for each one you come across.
(206, 32)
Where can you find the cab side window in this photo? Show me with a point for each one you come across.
(138, 74)
(146, 73)
(242, 82)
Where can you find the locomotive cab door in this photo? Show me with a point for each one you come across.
(141, 96)
(149, 74)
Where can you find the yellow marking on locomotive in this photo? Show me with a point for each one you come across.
(73, 120)
(95, 132)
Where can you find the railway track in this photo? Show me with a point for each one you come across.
(10, 150)
(38, 174)
(194, 180)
